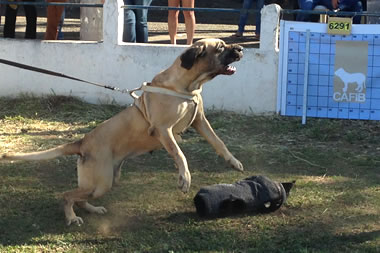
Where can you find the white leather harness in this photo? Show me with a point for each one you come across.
(145, 87)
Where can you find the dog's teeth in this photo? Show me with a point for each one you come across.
(231, 68)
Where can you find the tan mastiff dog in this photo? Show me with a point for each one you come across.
(168, 106)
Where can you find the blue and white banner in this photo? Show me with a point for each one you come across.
(343, 78)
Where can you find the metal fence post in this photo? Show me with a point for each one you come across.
(306, 77)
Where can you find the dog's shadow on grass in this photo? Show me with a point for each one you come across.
(30, 199)
(31, 219)
(182, 218)
(327, 234)
(360, 237)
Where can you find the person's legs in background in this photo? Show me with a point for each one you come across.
(10, 21)
(54, 14)
(326, 3)
(358, 7)
(352, 5)
(189, 20)
(60, 25)
(310, 5)
(142, 21)
(129, 34)
(247, 4)
(260, 5)
(173, 20)
(307, 5)
(31, 21)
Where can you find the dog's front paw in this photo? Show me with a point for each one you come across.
(77, 220)
(184, 181)
(236, 164)
(100, 210)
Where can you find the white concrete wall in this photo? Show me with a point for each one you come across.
(253, 88)
(91, 22)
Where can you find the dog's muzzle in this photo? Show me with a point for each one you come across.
(233, 54)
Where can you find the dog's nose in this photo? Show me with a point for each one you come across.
(236, 47)
(239, 48)
(239, 51)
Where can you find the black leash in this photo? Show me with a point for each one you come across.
(52, 73)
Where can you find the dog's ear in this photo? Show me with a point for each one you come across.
(190, 56)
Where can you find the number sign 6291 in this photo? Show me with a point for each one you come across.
(339, 25)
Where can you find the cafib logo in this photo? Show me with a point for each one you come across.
(350, 73)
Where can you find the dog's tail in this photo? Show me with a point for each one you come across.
(65, 149)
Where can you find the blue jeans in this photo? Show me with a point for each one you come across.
(344, 5)
(247, 4)
(309, 5)
(136, 22)
(352, 5)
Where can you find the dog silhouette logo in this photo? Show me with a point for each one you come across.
(350, 71)
(351, 78)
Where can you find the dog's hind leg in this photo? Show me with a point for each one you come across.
(70, 197)
(117, 172)
(80, 197)
(345, 87)
(94, 179)
(360, 87)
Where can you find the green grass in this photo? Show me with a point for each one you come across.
(334, 207)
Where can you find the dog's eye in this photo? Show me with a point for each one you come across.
(220, 48)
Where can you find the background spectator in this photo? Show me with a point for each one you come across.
(189, 20)
(310, 5)
(10, 20)
(351, 5)
(343, 5)
(60, 25)
(54, 14)
(247, 4)
(136, 22)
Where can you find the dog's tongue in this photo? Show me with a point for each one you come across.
(229, 70)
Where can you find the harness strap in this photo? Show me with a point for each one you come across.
(146, 87)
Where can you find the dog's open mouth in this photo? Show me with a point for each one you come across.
(228, 70)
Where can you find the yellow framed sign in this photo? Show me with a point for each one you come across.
(338, 25)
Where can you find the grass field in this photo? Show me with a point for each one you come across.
(334, 207)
